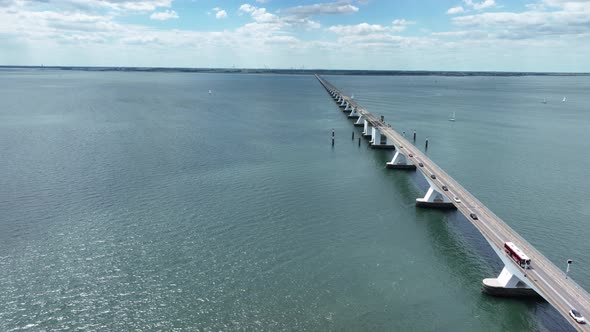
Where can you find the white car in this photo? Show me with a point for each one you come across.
(577, 316)
(457, 200)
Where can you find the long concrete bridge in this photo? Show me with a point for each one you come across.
(541, 277)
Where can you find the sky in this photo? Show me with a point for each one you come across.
(475, 35)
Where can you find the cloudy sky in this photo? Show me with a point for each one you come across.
(505, 35)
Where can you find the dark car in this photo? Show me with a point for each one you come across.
(410, 155)
(432, 176)
(473, 216)
(445, 188)
(421, 164)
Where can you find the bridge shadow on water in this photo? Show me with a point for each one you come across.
(466, 252)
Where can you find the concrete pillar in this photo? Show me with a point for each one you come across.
(512, 281)
(508, 283)
(380, 141)
(346, 107)
(367, 131)
(360, 122)
(434, 198)
(353, 113)
(400, 161)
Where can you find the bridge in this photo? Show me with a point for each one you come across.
(540, 278)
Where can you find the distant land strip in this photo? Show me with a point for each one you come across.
(299, 71)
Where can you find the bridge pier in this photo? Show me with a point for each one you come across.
(367, 128)
(399, 161)
(360, 122)
(434, 198)
(347, 108)
(380, 141)
(512, 281)
(353, 113)
(507, 284)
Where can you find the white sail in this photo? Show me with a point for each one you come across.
(452, 118)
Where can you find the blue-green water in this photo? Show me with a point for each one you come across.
(138, 201)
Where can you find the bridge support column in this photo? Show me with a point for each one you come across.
(380, 141)
(360, 122)
(353, 113)
(367, 131)
(343, 103)
(507, 284)
(512, 281)
(347, 108)
(434, 198)
(399, 161)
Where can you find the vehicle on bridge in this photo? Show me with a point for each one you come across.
(517, 255)
(577, 316)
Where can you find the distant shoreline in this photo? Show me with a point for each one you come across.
(301, 71)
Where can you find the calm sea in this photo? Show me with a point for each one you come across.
(140, 201)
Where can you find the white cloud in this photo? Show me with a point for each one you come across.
(221, 14)
(92, 32)
(119, 6)
(385, 41)
(122, 5)
(569, 5)
(259, 15)
(282, 39)
(262, 1)
(368, 29)
(570, 19)
(401, 24)
(165, 15)
(531, 23)
(359, 29)
(455, 10)
(329, 8)
(480, 5)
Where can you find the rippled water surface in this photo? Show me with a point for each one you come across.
(139, 201)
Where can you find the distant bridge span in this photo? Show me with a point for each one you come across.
(541, 277)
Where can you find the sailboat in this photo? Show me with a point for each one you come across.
(452, 118)
(544, 101)
(352, 97)
(210, 92)
(563, 101)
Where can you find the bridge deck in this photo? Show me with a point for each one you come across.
(563, 294)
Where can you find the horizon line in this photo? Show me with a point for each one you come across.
(298, 70)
